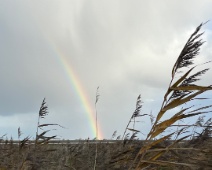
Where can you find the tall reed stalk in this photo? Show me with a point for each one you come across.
(181, 91)
(96, 150)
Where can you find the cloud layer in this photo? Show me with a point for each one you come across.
(125, 47)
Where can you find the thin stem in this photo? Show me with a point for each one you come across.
(96, 123)
(126, 129)
(96, 151)
(192, 125)
(38, 123)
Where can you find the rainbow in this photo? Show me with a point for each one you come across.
(75, 83)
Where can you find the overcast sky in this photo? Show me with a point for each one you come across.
(125, 47)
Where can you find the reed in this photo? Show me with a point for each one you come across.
(96, 151)
(186, 146)
(181, 91)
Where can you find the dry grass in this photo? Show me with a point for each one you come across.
(180, 93)
(162, 149)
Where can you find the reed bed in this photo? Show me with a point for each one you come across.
(169, 145)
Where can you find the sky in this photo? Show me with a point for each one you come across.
(64, 50)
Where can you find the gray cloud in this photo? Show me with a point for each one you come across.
(126, 48)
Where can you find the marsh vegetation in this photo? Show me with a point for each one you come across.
(170, 144)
